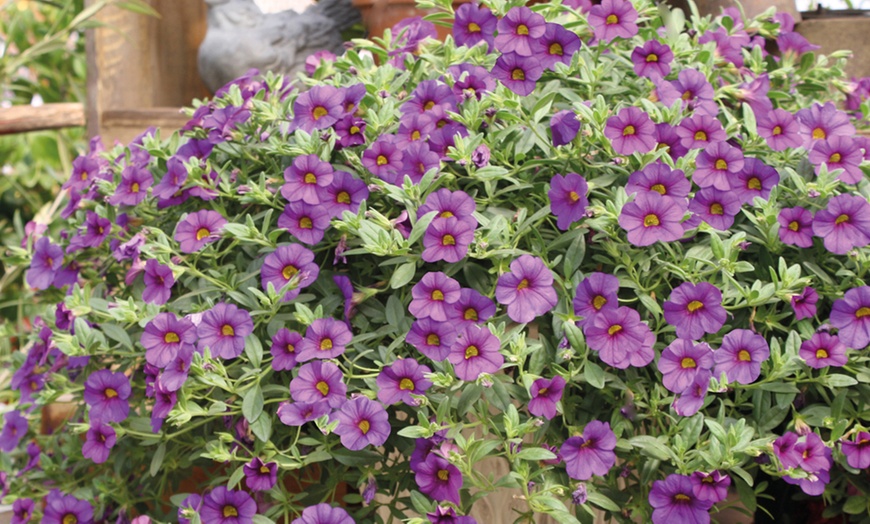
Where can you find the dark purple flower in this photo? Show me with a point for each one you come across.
(283, 350)
(323, 514)
(99, 441)
(857, 452)
(631, 131)
(823, 350)
(527, 290)
(844, 224)
(362, 422)
(22, 511)
(66, 509)
(681, 362)
(306, 179)
(199, 229)
(398, 381)
(556, 45)
(518, 31)
(96, 230)
(667, 138)
(298, 413)
(804, 303)
(447, 515)
(306, 223)
(620, 338)
(158, 283)
(821, 122)
(450, 204)
(780, 129)
(133, 188)
(106, 393)
(14, 429)
(796, 226)
(350, 131)
(545, 393)
(439, 479)
(223, 330)
(474, 352)
(173, 377)
(694, 91)
(756, 179)
(383, 158)
(674, 500)
(470, 81)
(226, 506)
(595, 293)
(170, 186)
(44, 266)
(695, 309)
(697, 131)
(652, 59)
(223, 122)
(740, 356)
(289, 264)
(260, 476)
(564, 126)
(474, 24)
(651, 218)
(325, 338)
(851, 316)
(518, 73)
(711, 487)
(716, 165)
(716, 208)
(472, 307)
(839, 152)
(591, 454)
(317, 108)
(612, 19)
(690, 401)
(319, 381)
(188, 507)
(568, 199)
(164, 401)
(660, 178)
(433, 339)
(433, 297)
(164, 336)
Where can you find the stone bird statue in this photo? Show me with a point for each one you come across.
(240, 37)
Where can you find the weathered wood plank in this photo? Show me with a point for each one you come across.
(21, 119)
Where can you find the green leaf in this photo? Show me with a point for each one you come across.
(395, 311)
(535, 454)
(139, 7)
(261, 519)
(839, 381)
(597, 499)
(652, 447)
(420, 227)
(118, 334)
(593, 374)
(414, 432)
(855, 505)
(254, 350)
(403, 275)
(157, 459)
(574, 255)
(262, 428)
(236, 477)
(252, 404)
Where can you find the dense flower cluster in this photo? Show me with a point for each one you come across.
(627, 259)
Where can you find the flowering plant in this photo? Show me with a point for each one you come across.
(619, 253)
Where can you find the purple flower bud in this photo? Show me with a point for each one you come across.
(371, 488)
(579, 495)
(481, 155)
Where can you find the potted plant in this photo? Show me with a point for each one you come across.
(338, 281)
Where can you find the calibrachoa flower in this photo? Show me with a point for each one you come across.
(712, 487)
(306, 223)
(226, 506)
(22, 511)
(796, 226)
(556, 45)
(472, 307)
(631, 131)
(844, 224)
(66, 509)
(857, 451)
(289, 263)
(446, 240)
(439, 479)
(99, 441)
(780, 129)
(324, 513)
(133, 188)
(714, 207)
(690, 401)
(450, 204)
(259, 475)
(96, 230)
(717, 165)
(318, 108)
(474, 352)
(545, 393)
(681, 361)
(518, 73)
(223, 330)
(851, 316)
(756, 179)
(699, 130)
(695, 309)
(804, 303)
(298, 413)
(568, 199)
(432, 338)
(319, 381)
(433, 297)
(564, 126)
(652, 59)
(398, 381)
(518, 30)
(106, 393)
(325, 338)
(158, 283)
(14, 429)
(447, 515)
(362, 422)
(306, 179)
(612, 19)
(823, 350)
(651, 218)
(839, 152)
(590, 454)
(740, 356)
(164, 336)
(659, 177)
(284, 348)
(474, 24)
(345, 193)
(527, 290)
(45, 264)
(595, 293)
(199, 229)
(821, 121)
(674, 500)
(620, 338)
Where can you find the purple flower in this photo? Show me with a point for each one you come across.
(631, 131)
(447, 240)
(595, 293)
(651, 218)
(518, 31)
(780, 129)
(695, 310)
(361, 422)
(795, 226)
(620, 338)
(839, 152)
(323, 514)
(398, 381)
(319, 381)
(857, 452)
(164, 336)
(414, 127)
(96, 231)
(681, 362)
(694, 91)
(820, 122)
(518, 73)
(545, 393)
(433, 297)
(325, 338)
(556, 45)
(652, 59)
(314, 60)
(439, 479)
(794, 43)
(716, 165)
(851, 316)
(430, 96)
(106, 393)
(133, 188)
(14, 429)
(568, 199)
(350, 131)
(22, 511)
(804, 303)
(660, 178)
(306, 223)
(175, 375)
(474, 352)
(199, 229)
(844, 224)
(668, 139)
(564, 126)
(260, 476)
(226, 506)
(527, 290)
(417, 159)
(223, 330)
(383, 158)
(716, 208)
(674, 500)
(289, 264)
(472, 307)
(345, 194)
(474, 24)
(447, 515)
(306, 179)
(224, 121)
(710, 487)
(450, 204)
(470, 81)
(158, 283)
(740, 356)
(318, 108)
(823, 350)
(756, 179)
(697, 131)
(690, 401)
(613, 18)
(298, 413)
(66, 509)
(591, 454)
(164, 401)
(283, 349)
(433, 339)
(45, 264)
(99, 441)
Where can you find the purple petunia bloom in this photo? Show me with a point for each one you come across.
(470, 81)
(66, 509)
(690, 401)
(317, 108)
(568, 199)
(133, 188)
(417, 159)
(430, 96)
(414, 127)
(612, 19)
(652, 59)
(851, 316)
(697, 131)
(740, 356)
(631, 131)
(383, 158)
(518, 73)
(446, 240)
(620, 338)
(325, 338)
(710, 487)
(804, 303)
(362, 422)
(674, 500)
(839, 152)
(794, 43)
(450, 204)
(820, 122)
(844, 224)
(433, 297)
(175, 375)
(306, 179)
(223, 330)
(447, 515)
(298, 413)
(527, 290)
(474, 352)
(545, 393)
(667, 138)
(681, 362)
(716, 165)
(823, 350)
(226, 506)
(651, 218)
(164, 336)
(432, 338)
(260, 476)
(591, 454)
(716, 208)
(795, 226)
(14, 429)
(564, 126)
(595, 293)
(474, 24)
(345, 194)
(289, 263)
(756, 179)
(158, 283)
(350, 131)
(45, 264)
(439, 479)
(556, 45)
(106, 393)
(199, 229)
(96, 230)
(164, 401)
(695, 310)
(22, 511)
(398, 381)
(319, 381)
(857, 452)
(518, 31)
(99, 441)
(472, 307)
(283, 349)
(323, 514)
(780, 129)
(660, 178)
(306, 223)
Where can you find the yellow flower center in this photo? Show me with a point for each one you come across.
(264, 470)
(700, 135)
(448, 240)
(202, 233)
(319, 112)
(306, 223)
(69, 518)
(598, 302)
(836, 157)
(556, 49)
(290, 348)
(688, 363)
(862, 312)
(821, 353)
(415, 135)
(433, 339)
(437, 295)
(628, 131)
(171, 338)
(679, 497)
(573, 196)
(473, 28)
(471, 351)
(614, 329)
(652, 58)
(744, 356)
(651, 220)
(522, 29)
(524, 283)
(794, 225)
(228, 331)
(406, 384)
(717, 209)
(322, 387)
(382, 160)
(134, 188)
(612, 19)
(842, 218)
(429, 105)
(354, 130)
(660, 189)
(110, 393)
(819, 134)
(443, 475)
(326, 344)
(446, 214)
(289, 272)
(694, 305)
(364, 426)
(518, 74)
(754, 183)
(721, 164)
(343, 197)
(687, 95)
(776, 131)
(310, 178)
(470, 314)
(230, 511)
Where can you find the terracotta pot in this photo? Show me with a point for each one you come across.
(379, 15)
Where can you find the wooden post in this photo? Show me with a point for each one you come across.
(21, 119)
